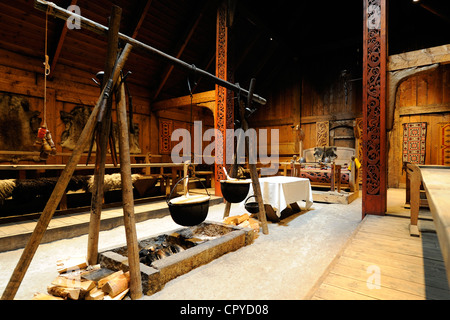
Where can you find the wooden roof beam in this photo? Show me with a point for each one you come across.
(202, 99)
(59, 45)
(420, 58)
(181, 48)
(138, 23)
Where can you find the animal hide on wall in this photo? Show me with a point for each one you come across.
(76, 119)
(18, 126)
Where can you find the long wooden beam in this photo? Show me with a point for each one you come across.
(180, 50)
(202, 98)
(419, 58)
(102, 30)
(141, 19)
(59, 46)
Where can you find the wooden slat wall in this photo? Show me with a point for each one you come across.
(299, 99)
(69, 87)
(416, 97)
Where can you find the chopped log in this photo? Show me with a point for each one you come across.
(104, 280)
(95, 294)
(71, 263)
(84, 285)
(117, 285)
(236, 220)
(120, 296)
(242, 218)
(44, 296)
(64, 292)
(97, 274)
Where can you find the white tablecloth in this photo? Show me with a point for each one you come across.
(280, 191)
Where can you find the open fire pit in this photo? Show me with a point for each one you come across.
(170, 254)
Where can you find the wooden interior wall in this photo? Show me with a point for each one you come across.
(181, 118)
(327, 102)
(22, 75)
(281, 112)
(421, 98)
(307, 99)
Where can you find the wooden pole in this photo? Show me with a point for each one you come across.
(374, 172)
(127, 197)
(102, 30)
(103, 129)
(60, 188)
(252, 166)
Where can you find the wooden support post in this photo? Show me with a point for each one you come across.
(223, 115)
(59, 190)
(252, 166)
(374, 180)
(102, 137)
(414, 180)
(127, 197)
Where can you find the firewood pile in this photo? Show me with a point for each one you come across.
(244, 221)
(78, 281)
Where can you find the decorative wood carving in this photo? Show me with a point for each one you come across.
(374, 108)
(322, 133)
(224, 115)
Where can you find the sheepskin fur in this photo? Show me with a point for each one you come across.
(6, 188)
(111, 182)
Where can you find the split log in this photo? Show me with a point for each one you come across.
(104, 280)
(64, 292)
(71, 263)
(44, 296)
(117, 285)
(84, 285)
(236, 220)
(95, 294)
(120, 296)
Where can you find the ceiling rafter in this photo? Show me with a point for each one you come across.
(138, 23)
(181, 48)
(59, 45)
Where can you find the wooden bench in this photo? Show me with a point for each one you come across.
(142, 186)
(436, 182)
(335, 174)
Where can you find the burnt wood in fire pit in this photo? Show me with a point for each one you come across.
(168, 255)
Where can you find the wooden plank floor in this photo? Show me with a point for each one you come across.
(382, 261)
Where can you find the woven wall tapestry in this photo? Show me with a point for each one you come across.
(444, 140)
(165, 133)
(414, 138)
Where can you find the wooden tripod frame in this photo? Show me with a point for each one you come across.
(59, 190)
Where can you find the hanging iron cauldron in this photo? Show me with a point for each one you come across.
(188, 210)
(251, 207)
(235, 191)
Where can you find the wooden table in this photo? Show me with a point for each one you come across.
(278, 192)
(436, 182)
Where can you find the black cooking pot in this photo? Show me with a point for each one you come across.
(234, 191)
(251, 207)
(189, 211)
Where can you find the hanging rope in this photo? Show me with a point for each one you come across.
(44, 141)
(46, 66)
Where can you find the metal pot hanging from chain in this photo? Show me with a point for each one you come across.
(188, 210)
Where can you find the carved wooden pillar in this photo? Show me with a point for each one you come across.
(224, 110)
(374, 182)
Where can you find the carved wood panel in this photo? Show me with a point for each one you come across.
(322, 133)
(224, 115)
(374, 107)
